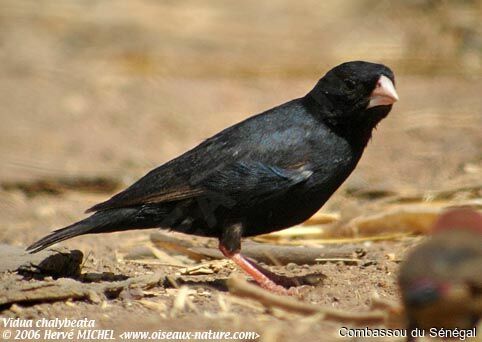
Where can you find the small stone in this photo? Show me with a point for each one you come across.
(291, 266)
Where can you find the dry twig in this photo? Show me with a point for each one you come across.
(242, 288)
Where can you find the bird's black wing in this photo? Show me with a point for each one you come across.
(252, 181)
(247, 181)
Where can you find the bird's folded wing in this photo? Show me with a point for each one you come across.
(126, 198)
(247, 181)
(253, 181)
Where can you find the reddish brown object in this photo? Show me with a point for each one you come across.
(259, 275)
(457, 219)
(441, 279)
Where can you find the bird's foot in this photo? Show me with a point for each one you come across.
(261, 275)
(261, 278)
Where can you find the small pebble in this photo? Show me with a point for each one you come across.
(291, 266)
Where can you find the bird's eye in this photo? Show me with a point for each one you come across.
(350, 84)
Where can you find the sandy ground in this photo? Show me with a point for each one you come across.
(110, 90)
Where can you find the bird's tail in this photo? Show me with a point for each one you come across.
(101, 222)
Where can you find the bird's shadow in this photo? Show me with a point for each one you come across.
(93, 277)
(312, 279)
(216, 284)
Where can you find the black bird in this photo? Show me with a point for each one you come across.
(268, 172)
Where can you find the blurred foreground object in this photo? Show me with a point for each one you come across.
(441, 279)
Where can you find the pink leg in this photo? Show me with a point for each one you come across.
(258, 276)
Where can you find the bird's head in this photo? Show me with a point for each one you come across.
(356, 93)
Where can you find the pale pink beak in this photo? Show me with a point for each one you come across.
(384, 93)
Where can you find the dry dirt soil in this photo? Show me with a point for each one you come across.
(111, 89)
